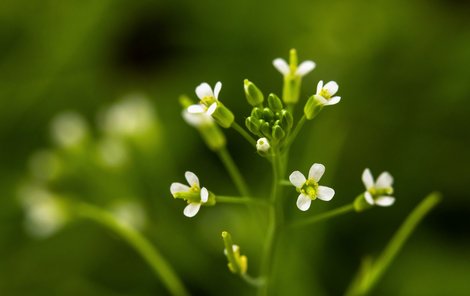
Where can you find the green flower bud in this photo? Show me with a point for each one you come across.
(253, 125)
(223, 116)
(287, 121)
(278, 133)
(257, 113)
(237, 263)
(254, 96)
(274, 102)
(185, 101)
(268, 115)
(312, 107)
(266, 130)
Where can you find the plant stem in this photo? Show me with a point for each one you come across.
(373, 271)
(274, 226)
(233, 171)
(296, 131)
(324, 216)
(149, 253)
(244, 133)
(240, 200)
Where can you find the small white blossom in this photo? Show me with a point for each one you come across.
(262, 145)
(308, 188)
(185, 191)
(378, 192)
(68, 129)
(325, 93)
(303, 69)
(208, 98)
(197, 119)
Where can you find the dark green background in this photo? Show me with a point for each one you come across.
(404, 73)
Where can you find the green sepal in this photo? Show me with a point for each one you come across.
(252, 125)
(253, 94)
(223, 116)
(266, 129)
(360, 203)
(268, 115)
(287, 121)
(257, 113)
(312, 107)
(212, 136)
(274, 103)
(185, 101)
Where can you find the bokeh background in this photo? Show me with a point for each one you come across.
(404, 73)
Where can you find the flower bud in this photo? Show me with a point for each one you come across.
(266, 129)
(278, 133)
(254, 96)
(312, 107)
(237, 263)
(253, 125)
(262, 145)
(274, 102)
(287, 121)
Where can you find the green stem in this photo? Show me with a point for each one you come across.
(285, 183)
(324, 216)
(240, 200)
(233, 171)
(296, 131)
(149, 253)
(244, 133)
(274, 226)
(370, 275)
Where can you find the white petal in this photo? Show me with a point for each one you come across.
(319, 86)
(367, 179)
(204, 195)
(196, 119)
(305, 68)
(197, 108)
(191, 209)
(384, 201)
(217, 88)
(333, 101)
(321, 100)
(204, 90)
(331, 87)
(316, 171)
(297, 179)
(303, 202)
(211, 109)
(385, 180)
(282, 66)
(191, 178)
(178, 187)
(369, 198)
(325, 193)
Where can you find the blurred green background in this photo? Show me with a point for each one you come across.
(404, 73)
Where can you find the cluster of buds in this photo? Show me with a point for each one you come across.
(272, 122)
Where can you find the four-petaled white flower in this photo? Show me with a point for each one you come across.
(208, 98)
(194, 188)
(378, 192)
(262, 145)
(303, 69)
(325, 93)
(308, 188)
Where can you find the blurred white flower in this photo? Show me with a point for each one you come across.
(68, 129)
(325, 93)
(45, 214)
(129, 117)
(193, 194)
(112, 152)
(308, 188)
(197, 119)
(378, 192)
(130, 214)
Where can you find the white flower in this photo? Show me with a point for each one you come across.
(309, 188)
(262, 145)
(194, 194)
(197, 119)
(378, 192)
(69, 129)
(325, 93)
(303, 69)
(208, 98)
